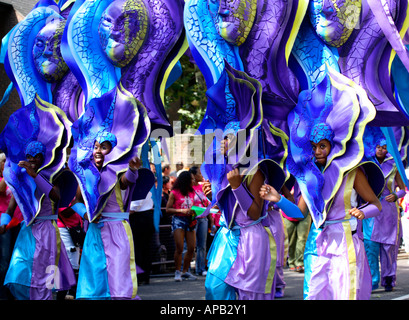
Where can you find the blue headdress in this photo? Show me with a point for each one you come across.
(38, 126)
(34, 148)
(321, 131)
(106, 136)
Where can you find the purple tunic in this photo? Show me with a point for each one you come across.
(39, 260)
(108, 269)
(340, 271)
(387, 227)
(252, 273)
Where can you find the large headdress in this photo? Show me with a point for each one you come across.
(335, 108)
(38, 126)
(245, 135)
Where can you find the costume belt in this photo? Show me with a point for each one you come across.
(352, 221)
(42, 218)
(114, 216)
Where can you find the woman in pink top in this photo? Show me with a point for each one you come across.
(202, 227)
(181, 200)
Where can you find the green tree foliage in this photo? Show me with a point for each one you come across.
(185, 99)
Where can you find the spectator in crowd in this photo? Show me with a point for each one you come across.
(179, 166)
(165, 169)
(297, 231)
(200, 200)
(181, 200)
(167, 184)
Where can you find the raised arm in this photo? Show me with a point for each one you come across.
(131, 175)
(299, 212)
(249, 200)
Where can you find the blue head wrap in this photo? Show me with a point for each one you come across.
(106, 136)
(231, 128)
(34, 148)
(320, 132)
(381, 142)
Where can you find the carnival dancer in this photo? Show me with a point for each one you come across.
(39, 263)
(325, 156)
(107, 268)
(35, 141)
(382, 234)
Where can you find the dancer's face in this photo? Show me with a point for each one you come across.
(47, 55)
(334, 20)
(381, 152)
(36, 161)
(100, 151)
(233, 18)
(122, 30)
(321, 151)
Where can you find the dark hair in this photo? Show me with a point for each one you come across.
(193, 170)
(165, 166)
(165, 179)
(184, 183)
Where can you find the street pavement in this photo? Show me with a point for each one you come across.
(164, 287)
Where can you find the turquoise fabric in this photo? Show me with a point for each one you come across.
(20, 268)
(93, 272)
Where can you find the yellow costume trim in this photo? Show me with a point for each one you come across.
(348, 236)
(58, 242)
(299, 17)
(132, 265)
(273, 261)
(181, 52)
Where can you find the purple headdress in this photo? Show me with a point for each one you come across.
(38, 126)
(335, 108)
(121, 52)
(247, 153)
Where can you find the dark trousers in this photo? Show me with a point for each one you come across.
(142, 230)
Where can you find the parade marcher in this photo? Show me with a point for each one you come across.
(327, 172)
(39, 263)
(107, 269)
(382, 234)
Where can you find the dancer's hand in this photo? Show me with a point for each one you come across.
(234, 178)
(268, 193)
(391, 197)
(28, 167)
(207, 188)
(355, 212)
(135, 163)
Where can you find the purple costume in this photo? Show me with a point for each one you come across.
(244, 252)
(108, 269)
(382, 233)
(37, 266)
(340, 270)
(39, 262)
(275, 223)
(334, 258)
